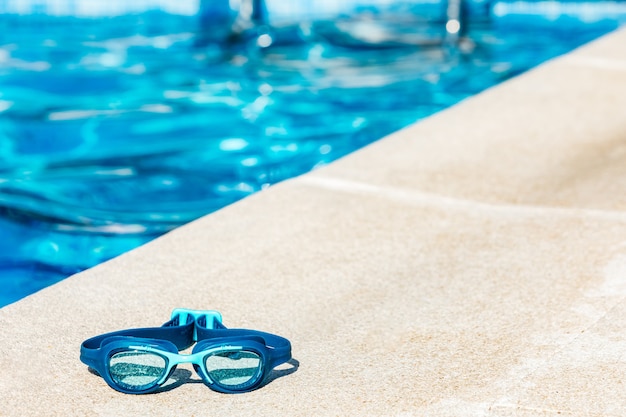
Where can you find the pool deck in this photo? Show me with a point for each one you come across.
(473, 264)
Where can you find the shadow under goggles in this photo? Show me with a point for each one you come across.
(140, 361)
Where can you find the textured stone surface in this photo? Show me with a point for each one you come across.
(473, 264)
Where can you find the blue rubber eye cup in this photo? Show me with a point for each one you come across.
(140, 361)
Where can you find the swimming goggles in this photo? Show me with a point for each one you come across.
(139, 361)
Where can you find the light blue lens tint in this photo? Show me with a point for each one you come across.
(136, 370)
(233, 369)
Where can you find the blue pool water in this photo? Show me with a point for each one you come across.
(114, 131)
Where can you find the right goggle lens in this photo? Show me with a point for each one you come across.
(137, 370)
(233, 369)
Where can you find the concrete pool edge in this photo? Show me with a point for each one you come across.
(485, 280)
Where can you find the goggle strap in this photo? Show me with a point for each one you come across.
(280, 348)
(180, 335)
(210, 318)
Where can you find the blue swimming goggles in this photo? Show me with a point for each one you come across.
(139, 361)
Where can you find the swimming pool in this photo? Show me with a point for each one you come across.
(115, 131)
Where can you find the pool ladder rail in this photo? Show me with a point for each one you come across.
(236, 17)
(228, 20)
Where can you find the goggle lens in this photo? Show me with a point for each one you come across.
(233, 369)
(136, 370)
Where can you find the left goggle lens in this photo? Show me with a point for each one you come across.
(136, 370)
